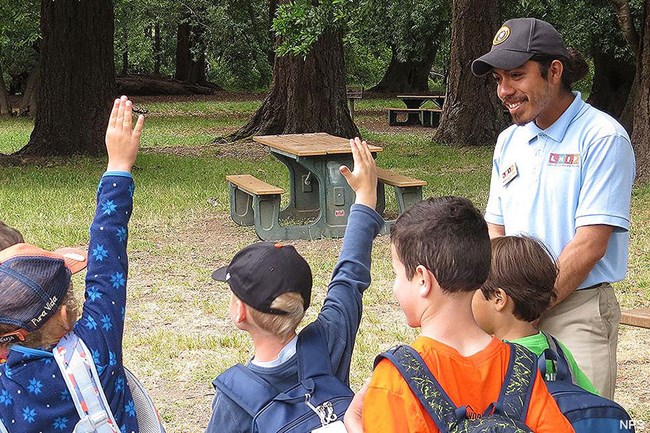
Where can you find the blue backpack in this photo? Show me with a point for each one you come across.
(585, 411)
(318, 399)
(507, 414)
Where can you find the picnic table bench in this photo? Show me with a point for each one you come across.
(636, 317)
(318, 191)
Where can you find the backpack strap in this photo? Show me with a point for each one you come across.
(81, 378)
(251, 392)
(517, 386)
(555, 354)
(247, 389)
(424, 385)
(313, 355)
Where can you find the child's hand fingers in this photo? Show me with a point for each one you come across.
(137, 131)
(112, 120)
(120, 114)
(128, 116)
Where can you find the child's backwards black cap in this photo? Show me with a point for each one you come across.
(261, 272)
(33, 284)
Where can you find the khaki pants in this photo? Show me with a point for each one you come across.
(587, 323)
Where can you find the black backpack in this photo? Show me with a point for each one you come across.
(318, 399)
(506, 415)
(585, 411)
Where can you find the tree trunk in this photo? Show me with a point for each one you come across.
(407, 76)
(5, 105)
(611, 83)
(306, 95)
(76, 78)
(125, 53)
(273, 7)
(157, 52)
(28, 102)
(641, 134)
(472, 114)
(189, 67)
(183, 52)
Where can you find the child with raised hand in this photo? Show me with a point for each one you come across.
(519, 288)
(38, 309)
(440, 255)
(271, 289)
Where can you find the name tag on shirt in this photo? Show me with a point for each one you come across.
(509, 174)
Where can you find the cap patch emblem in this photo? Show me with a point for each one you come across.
(501, 36)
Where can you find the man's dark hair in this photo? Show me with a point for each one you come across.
(448, 236)
(524, 269)
(575, 67)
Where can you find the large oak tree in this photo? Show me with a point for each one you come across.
(472, 114)
(307, 93)
(76, 78)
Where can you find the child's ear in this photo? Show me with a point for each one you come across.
(500, 299)
(241, 311)
(64, 320)
(426, 279)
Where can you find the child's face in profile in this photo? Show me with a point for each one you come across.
(483, 310)
(405, 290)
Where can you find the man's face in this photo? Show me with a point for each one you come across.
(525, 93)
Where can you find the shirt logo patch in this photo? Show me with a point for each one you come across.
(509, 174)
(564, 159)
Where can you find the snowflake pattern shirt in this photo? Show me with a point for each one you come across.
(33, 395)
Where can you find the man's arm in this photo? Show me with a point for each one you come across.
(496, 230)
(579, 257)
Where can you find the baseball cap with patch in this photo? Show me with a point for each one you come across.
(516, 42)
(263, 271)
(33, 284)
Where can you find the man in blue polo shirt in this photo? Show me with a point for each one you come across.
(562, 173)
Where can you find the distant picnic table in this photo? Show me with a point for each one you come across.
(414, 113)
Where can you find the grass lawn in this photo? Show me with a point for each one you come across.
(178, 334)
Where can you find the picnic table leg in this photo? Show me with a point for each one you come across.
(407, 197)
(267, 217)
(381, 198)
(241, 206)
(303, 187)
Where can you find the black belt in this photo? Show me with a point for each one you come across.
(595, 286)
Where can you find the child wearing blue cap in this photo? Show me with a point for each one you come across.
(38, 310)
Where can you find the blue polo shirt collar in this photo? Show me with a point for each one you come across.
(558, 129)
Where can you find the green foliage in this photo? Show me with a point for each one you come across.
(19, 34)
(584, 24)
(300, 23)
(134, 35)
(240, 44)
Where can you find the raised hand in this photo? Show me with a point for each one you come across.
(363, 179)
(122, 142)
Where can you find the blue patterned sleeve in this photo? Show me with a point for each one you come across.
(102, 322)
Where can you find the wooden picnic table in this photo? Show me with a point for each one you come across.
(416, 101)
(318, 191)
